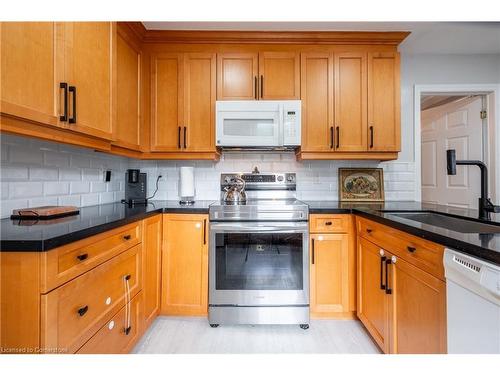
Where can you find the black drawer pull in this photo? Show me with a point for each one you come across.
(82, 257)
(82, 311)
(127, 330)
(368, 230)
(328, 223)
(127, 237)
(411, 249)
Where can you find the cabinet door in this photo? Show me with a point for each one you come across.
(279, 75)
(350, 102)
(383, 102)
(317, 101)
(185, 265)
(199, 113)
(418, 310)
(128, 94)
(167, 99)
(237, 76)
(152, 267)
(89, 67)
(329, 274)
(31, 71)
(373, 309)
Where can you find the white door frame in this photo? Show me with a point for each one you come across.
(442, 88)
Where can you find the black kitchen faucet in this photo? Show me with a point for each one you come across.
(485, 205)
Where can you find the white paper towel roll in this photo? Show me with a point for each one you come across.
(186, 182)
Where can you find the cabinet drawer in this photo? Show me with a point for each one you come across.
(113, 338)
(72, 313)
(329, 223)
(67, 262)
(423, 254)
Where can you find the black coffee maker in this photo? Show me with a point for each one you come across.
(135, 187)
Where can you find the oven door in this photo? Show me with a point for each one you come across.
(259, 264)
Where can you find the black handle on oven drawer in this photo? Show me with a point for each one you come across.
(387, 289)
(82, 311)
(382, 260)
(312, 251)
(72, 119)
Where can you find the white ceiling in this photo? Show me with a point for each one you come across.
(426, 37)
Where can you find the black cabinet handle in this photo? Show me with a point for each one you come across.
(313, 251)
(411, 249)
(371, 136)
(256, 89)
(82, 311)
(179, 137)
(64, 117)
(387, 289)
(338, 136)
(331, 136)
(127, 237)
(82, 257)
(204, 231)
(72, 119)
(127, 330)
(261, 86)
(185, 141)
(382, 261)
(368, 230)
(127, 277)
(328, 223)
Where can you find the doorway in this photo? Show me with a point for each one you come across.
(460, 117)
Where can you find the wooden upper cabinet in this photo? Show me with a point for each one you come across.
(89, 61)
(128, 101)
(167, 101)
(373, 305)
(384, 133)
(199, 114)
(31, 69)
(279, 75)
(350, 102)
(317, 101)
(329, 274)
(237, 76)
(419, 305)
(185, 265)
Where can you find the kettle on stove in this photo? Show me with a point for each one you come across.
(235, 193)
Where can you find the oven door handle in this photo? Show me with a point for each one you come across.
(270, 227)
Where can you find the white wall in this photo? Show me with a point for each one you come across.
(439, 69)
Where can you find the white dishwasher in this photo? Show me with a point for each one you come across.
(473, 304)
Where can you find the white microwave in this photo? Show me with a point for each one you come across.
(258, 124)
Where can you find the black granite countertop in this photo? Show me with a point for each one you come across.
(97, 219)
(24, 235)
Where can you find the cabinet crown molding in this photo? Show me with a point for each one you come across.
(268, 37)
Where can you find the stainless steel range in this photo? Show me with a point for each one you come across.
(259, 253)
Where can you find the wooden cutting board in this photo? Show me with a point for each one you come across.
(44, 212)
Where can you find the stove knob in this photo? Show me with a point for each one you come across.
(280, 178)
(227, 180)
(290, 178)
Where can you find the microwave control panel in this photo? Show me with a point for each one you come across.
(291, 123)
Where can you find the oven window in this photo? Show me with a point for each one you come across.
(259, 261)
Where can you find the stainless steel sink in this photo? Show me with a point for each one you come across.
(447, 222)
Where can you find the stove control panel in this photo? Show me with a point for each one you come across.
(261, 181)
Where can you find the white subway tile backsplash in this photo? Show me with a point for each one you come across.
(34, 172)
(56, 188)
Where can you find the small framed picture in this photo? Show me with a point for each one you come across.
(361, 184)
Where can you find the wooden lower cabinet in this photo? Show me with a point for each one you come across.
(373, 305)
(185, 265)
(120, 333)
(402, 306)
(152, 267)
(332, 266)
